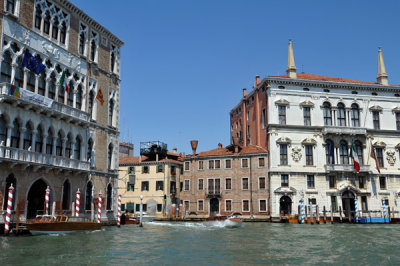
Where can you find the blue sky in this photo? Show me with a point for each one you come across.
(185, 63)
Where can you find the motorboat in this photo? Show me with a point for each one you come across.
(60, 224)
(224, 221)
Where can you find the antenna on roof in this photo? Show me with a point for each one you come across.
(302, 68)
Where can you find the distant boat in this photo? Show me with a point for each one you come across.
(131, 219)
(223, 221)
(60, 224)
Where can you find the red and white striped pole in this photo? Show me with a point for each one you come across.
(47, 199)
(99, 209)
(119, 210)
(9, 207)
(77, 202)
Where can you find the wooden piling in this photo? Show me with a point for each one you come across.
(311, 214)
(340, 213)
(331, 215)
(317, 214)
(306, 212)
(17, 218)
(389, 213)
(73, 209)
(324, 211)
(299, 214)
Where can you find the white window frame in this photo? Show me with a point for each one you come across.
(184, 204)
(264, 182)
(184, 167)
(16, 8)
(184, 184)
(198, 204)
(214, 178)
(198, 184)
(231, 183)
(248, 184)
(225, 164)
(243, 205)
(93, 87)
(241, 162)
(265, 160)
(231, 210)
(85, 46)
(90, 38)
(219, 163)
(259, 205)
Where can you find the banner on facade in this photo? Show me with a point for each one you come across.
(35, 98)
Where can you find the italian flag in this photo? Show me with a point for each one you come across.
(63, 81)
(353, 154)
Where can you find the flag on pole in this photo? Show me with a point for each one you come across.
(63, 81)
(32, 63)
(354, 156)
(373, 156)
(99, 96)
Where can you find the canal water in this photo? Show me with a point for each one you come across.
(193, 243)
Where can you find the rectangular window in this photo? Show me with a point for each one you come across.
(201, 184)
(214, 186)
(228, 163)
(159, 185)
(131, 187)
(186, 205)
(201, 165)
(361, 182)
(282, 114)
(263, 205)
(211, 164)
(248, 115)
(248, 131)
(307, 116)
(173, 170)
(375, 119)
(145, 170)
(283, 154)
(217, 164)
(332, 181)
(398, 121)
(245, 206)
(10, 6)
(364, 203)
(187, 185)
(245, 183)
(386, 202)
(310, 181)
(309, 155)
(261, 182)
(138, 207)
(379, 156)
(159, 207)
(160, 168)
(284, 180)
(180, 186)
(145, 185)
(200, 205)
(245, 163)
(228, 183)
(312, 201)
(382, 182)
(264, 118)
(261, 162)
(186, 166)
(228, 205)
(334, 203)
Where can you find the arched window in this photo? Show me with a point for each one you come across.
(82, 40)
(39, 139)
(327, 114)
(3, 131)
(52, 86)
(89, 150)
(38, 17)
(93, 48)
(42, 83)
(77, 148)
(59, 144)
(10, 180)
(341, 115)
(90, 102)
(344, 152)
(28, 137)
(109, 157)
(359, 151)
(15, 134)
(63, 33)
(54, 32)
(19, 73)
(109, 197)
(49, 142)
(355, 115)
(68, 147)
(46, 24)
(66, 202)
(112, 61)
(330, 152)
(61, 94)
(79, 97)
(6, 67)
(70, 100)
(111, 112)
(88, 196)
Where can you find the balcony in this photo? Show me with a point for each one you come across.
(59, 110)
(344, 130)
(213, 194)
(37, 159)
(345, 168)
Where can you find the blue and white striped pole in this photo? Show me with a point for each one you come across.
(356, 208)
(302, 210)
(384, 210)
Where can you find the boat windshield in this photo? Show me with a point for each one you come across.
(76, 219)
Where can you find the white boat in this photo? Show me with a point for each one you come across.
(223, 221)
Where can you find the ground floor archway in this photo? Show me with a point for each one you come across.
(36, 196)
(285, 205)
(214, 207)
(348, 203)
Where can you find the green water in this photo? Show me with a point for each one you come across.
(193, 243)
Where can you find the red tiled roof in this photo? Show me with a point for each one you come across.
(229, 150)
(325, 78)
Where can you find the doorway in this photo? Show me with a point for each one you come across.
(348, 203)
(214, 207)
(36, 195)
(285, 205)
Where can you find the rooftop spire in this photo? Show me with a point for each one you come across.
(382, 77)
(291, 70)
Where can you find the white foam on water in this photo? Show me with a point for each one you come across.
(179, 224)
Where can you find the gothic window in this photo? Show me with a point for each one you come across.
(3, 131)
(19, 73)
(112, 58)
(59, 144)
(70, 94)
(63, 33)
(77, 148)
(88, 196)
(61, 94)
(89, 150)
(30, 84)
(109, 197)
(355, 115)
(6, 68)
(110, 112)
(359, 151)
(398, 120)
(42, 83)
(15, 134)
(54, 33)
(52, 87)
(49, 142)
(79, 97)
(94, 40)
(83, 33)
(66, 195)
(68, 147)
(344, 152)
(90, 103)
(341, 115)
(28, 137)
(38, 17)
(39, 139)
(330, 152)
(109, 156)
(327, 114)
(46, 23)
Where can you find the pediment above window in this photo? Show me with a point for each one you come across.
(397, 147)
(283, 140)
(307, 104)
(309, 141)
(379, 144)
(376, 108)
(396, 109)
(281, 102)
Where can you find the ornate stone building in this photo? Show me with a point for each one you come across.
(308, 124)
(49, 136)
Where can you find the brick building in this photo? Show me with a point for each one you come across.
(50, 136)
(225, 181)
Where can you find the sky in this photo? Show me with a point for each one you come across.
(185, 62)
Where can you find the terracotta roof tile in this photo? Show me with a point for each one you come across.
(325, 78)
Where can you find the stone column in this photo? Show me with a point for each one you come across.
(59, 34)
(36, 84)
(65, 93)
(64, 142)
(42, 23)
(51, 28)
(13, 68)
(21, 137)
(25, 78)
(33, 145)
(8, 141)
(75, 91)
(46, 88)
(54, 145)
(44, 144)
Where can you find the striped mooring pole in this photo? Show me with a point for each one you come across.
(356, 208)
(77, 202)
(119, 210)
(9, 208)
(302, 210)
(99, 208)
(47, 196)
(384, 210)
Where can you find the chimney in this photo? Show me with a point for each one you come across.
(257, 80)
(236, 143)
(194, 143)
(219, 145)
(175, 150)
(244, 93)
(291, 70)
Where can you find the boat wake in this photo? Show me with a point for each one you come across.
(195, 225)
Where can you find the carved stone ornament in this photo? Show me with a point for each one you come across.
(309, 141)
(283, 140)
(307, 103)
(296, 154)
(391, 157)
(380, 144)
(281, 102)
(376, 108)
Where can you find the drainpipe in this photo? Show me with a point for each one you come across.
(251, 193)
